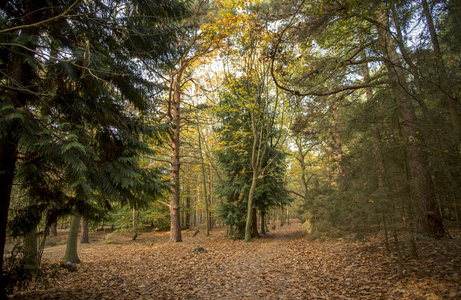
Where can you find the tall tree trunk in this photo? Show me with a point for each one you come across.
(72, 238)
(447, 90)
(428, 219)
(258, 152)
(175, 217)
(249, 221)
(338, 145)
(21, 75)
(254, 226)
(188, 205)
(210, 197)
(444, 80)
(8, 157)
(85, 236)
(205, 194)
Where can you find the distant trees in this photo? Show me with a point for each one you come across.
(253, 164)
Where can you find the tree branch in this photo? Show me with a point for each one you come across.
(63, 15)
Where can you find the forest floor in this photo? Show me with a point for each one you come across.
(282, 265)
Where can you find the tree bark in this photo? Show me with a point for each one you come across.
(422, 189)
(85, 237)
(71, 254)
(175, 216)
(263, 222)
(249, 221)
(338, 145)
(282, 216)
(254, 227)
(31, 250)
(188, 207)
(54, 229)
(8, 157)
(444, 80)
(134, 229)
(205, 194)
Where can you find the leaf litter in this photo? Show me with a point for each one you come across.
(282, 265)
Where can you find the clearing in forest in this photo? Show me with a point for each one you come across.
(282, 265)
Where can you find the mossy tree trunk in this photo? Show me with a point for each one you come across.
(31, 250)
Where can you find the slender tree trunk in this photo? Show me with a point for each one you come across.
(205, 194)
(210, 198)
(338, 145)
(188, 206)
(249, 221)
(378, 153)
(254, 226)
(282, 216)
(85, 236)
(428, 219)
(175, 218)
(54, 229)
(71, 254)
(134, 225)
(263, 222)
(444, 80)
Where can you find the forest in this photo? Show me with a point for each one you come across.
(179, 133)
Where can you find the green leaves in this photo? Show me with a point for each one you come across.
(73, 146)
(77, 99)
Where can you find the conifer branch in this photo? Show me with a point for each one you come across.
(41, 23)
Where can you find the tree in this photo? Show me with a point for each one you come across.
(71, 254)
(249, 156)
(428, 217)
(64, 110)
(199, 40)
(338, 34)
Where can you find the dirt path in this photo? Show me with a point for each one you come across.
(283, 265)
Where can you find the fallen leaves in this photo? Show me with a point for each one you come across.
(283, 265)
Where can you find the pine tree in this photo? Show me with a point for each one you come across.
(76, 105)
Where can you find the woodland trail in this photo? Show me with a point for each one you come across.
(282, 265)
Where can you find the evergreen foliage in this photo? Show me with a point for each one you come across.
(76, 105)
(235, 150)
(367, 169)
